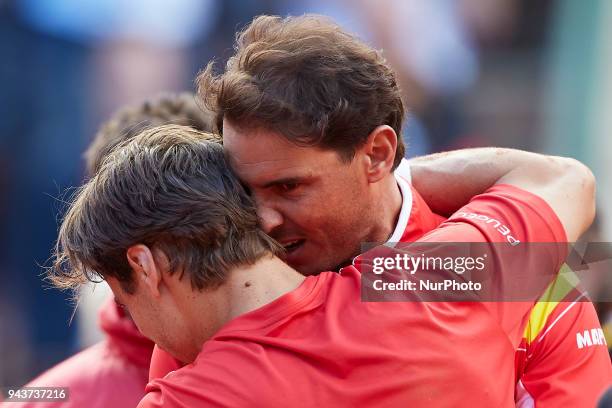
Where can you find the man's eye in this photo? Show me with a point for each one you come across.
(288, 187)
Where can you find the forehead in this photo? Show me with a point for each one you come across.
(258, 155)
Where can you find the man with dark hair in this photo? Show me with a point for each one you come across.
(311, 120)
(114, 371)
(175, 235)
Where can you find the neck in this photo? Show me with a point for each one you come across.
(247, 288)
(387, 204)
(254, 286)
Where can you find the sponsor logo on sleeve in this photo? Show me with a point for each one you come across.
(589, 338)
(498, 225)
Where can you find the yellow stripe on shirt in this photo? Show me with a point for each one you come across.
(558, 289)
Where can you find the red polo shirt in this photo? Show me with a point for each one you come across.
(319, 345)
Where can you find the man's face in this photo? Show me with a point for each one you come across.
(155, 319)
(308, 199)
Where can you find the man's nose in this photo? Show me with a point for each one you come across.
(270, 218)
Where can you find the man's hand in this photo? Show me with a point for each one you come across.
(449, 180)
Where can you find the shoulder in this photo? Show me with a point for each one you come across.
(214, 380)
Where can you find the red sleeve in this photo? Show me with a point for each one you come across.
(510, 217)
(162, 394)
(161, 397)
(567, 364)
(151, 400)
(197, 385)
(522, 216)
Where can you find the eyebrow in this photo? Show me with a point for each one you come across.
(287, 180)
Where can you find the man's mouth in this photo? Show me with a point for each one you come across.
(292, 245)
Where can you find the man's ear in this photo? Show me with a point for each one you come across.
(147, 271)
(380, 150)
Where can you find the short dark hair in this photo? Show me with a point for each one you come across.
(171, 188)
(307, 79)
(163, 109)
